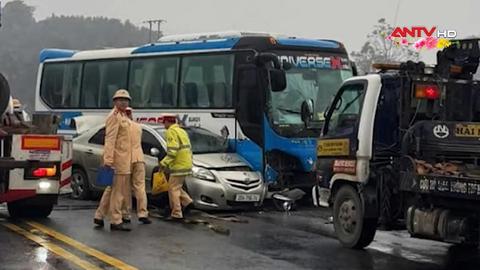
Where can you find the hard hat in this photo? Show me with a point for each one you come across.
(122, 93)
(169, 118)
(16, 103)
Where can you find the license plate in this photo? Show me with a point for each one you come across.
(247, 198)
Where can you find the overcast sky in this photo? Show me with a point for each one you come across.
(346, 21)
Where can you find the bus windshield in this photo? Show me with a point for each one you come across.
(311, 77)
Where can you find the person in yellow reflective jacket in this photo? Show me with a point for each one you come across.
(178, 163)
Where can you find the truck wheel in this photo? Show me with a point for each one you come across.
(15, 209)
(40, 211)
(79, 184)
(352, 229)
(19, 209)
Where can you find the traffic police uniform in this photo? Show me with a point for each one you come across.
(178, 162)
(118, 155)
(138, 173)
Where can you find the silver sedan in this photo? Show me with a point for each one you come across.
(220, 180)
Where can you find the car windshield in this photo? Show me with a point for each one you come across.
(202, 140)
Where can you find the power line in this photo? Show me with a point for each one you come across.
(0, 13)
(150, 23)
(396, 13)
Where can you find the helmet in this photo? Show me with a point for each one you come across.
(122, 93)
(169, 118)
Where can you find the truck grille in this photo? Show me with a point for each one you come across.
(245, 185)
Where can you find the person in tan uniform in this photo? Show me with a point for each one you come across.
(117, 154)
(138, 174)
(178, 163)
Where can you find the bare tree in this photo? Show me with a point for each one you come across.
(378, 49)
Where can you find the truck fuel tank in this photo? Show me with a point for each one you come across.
(443, 224)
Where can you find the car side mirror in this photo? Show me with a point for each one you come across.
(154, 152)
(307, 111)
(278, 80)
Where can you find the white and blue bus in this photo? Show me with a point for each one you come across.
(230, 83)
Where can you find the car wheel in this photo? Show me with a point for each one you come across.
(80, 185)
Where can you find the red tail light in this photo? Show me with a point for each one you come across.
(427, 91)
(45, 172)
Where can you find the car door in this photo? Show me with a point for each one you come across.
(93, 155)
(150, 141)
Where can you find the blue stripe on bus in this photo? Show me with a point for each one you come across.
(308, 43)
(188, 46)
(46, 54)
(251, 152)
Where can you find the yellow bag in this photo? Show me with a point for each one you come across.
(160, 183)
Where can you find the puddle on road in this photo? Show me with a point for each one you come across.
(398, 250)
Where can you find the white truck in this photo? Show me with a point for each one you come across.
(35, 162)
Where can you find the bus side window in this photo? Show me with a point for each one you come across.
(71, 85)
(114, 77)
(90, 85)
(100, 81)
(60, 84)
(153, 82)
(193, 87)
(207, 81)
(51, 84)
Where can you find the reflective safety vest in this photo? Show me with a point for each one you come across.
(179, 151)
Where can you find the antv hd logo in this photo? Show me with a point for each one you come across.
(421, 37)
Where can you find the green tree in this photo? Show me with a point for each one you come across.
(22, 38)
(378, 49)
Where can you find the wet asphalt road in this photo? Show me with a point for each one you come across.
(270, 240)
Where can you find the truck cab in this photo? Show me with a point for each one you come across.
(401, 146)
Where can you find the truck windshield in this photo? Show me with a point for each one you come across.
(311, 77)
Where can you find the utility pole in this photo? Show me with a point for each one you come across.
(150, 24)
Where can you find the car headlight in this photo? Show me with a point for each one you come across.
(202, 173)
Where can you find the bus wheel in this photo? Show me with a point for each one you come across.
(19, 209)
(351, 228)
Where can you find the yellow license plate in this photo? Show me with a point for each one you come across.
(469, 131)
(333, 147)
